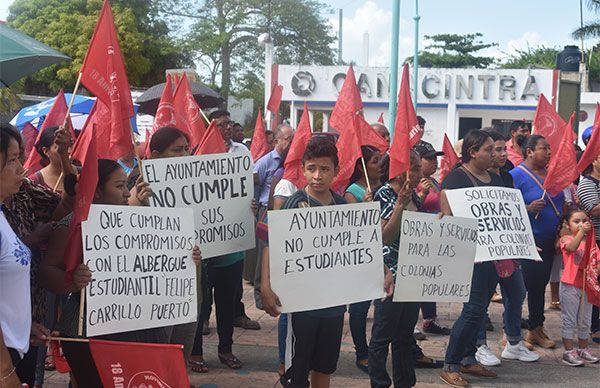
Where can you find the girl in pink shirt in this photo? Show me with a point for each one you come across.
(576, 313)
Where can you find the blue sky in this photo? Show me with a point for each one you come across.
(510, 23)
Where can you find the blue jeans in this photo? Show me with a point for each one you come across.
(463, 338)
(513, 295)
(282, 335)
(394, 324)
(358, 328)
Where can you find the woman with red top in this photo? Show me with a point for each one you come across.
(576, 311)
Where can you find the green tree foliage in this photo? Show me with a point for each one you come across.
(540, 56)
(454, 51)
(223, 36)
(67, 26)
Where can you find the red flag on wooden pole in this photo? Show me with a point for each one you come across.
(548, 123)
(213, 142)
(187, 112)
(592, 150)
(259, 146)
(562, 169)
(86, 187)
(368, 135)
(590, 261)
(449, 159)
(56, 116)
(165, 113)
(293, 161)
(407, 131)
(132, 364)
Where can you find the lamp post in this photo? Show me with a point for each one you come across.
(416, 18)
(394, 67)
(266, 41)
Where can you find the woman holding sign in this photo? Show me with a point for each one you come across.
(545, 212)
(110, 190)
(478, 154)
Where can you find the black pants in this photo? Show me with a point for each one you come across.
(394, 324)
(25, 367)
(225, 282)
(536, 276)
(206, 309)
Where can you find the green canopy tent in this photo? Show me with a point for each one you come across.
(21, 55)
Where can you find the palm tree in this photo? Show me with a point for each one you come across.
(590, 29)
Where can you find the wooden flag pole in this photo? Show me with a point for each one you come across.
(362, 159)
(81, 308)
(60, 177)
(73, 98)
(68, 339)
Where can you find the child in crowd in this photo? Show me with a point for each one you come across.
(576, 310)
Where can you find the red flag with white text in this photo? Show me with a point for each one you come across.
(590, 262)
(548, 123)
(592, 150)
(259, 146)
(407, 131)
(165, 113)
(187, 112)
(562, 169)
(293, 162)
(449, 159)
(133, 364)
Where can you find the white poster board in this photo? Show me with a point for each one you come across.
(326, 256)
(435, 258)
(143, 275)
(503, 223)
(219, 188)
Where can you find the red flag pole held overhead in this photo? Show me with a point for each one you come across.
(259, 146)
(407, 131)
(548, 123)
(293, 162)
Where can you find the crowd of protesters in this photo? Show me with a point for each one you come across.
(37, 209)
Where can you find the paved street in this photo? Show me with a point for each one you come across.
(258, 352)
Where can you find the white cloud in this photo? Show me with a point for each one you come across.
(525, 41)
(370, 18)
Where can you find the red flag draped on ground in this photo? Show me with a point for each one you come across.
(103, 74)
(187, 112)
(449, 159)
(213, 142)
(562, 169)
(56, 116)
(86, 187)
(380, 119)
(129, 364)
(344, 120)
(407, 132)
(293, 161)
(259, 146)
(592, 150)
(29, 134)
(590, 261)
(548, 123)
(165, 113)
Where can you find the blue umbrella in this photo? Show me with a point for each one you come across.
(81, 105)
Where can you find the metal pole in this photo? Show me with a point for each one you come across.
(340, 23)
(416, 18)
(394, 67)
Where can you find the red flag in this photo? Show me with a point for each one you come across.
(344, 120)
(213, 142)
(380, 119)
(56, 116)
(562, 169)
(29, 134)
(86, 187)
(592, 150)
(275, 99)
(131, 364)
(590, 262)
(548, 123)
(103, 71)
(147, 152)
(165, 113)
(369, 136)
(407, 131)
(187, 112)
(59, 359)
(449, 159)
(259, 146)
(293, 161)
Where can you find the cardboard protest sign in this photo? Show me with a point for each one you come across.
(325, 256)
(503, 223)
(143, 275)
(218, 187)
(435, 258)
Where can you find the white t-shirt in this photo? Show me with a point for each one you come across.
(15, 297)
(284, 189)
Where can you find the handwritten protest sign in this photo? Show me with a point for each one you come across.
(325, 256)
(143, 272)
(435, 258)
(218, 187)
(503, 223)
